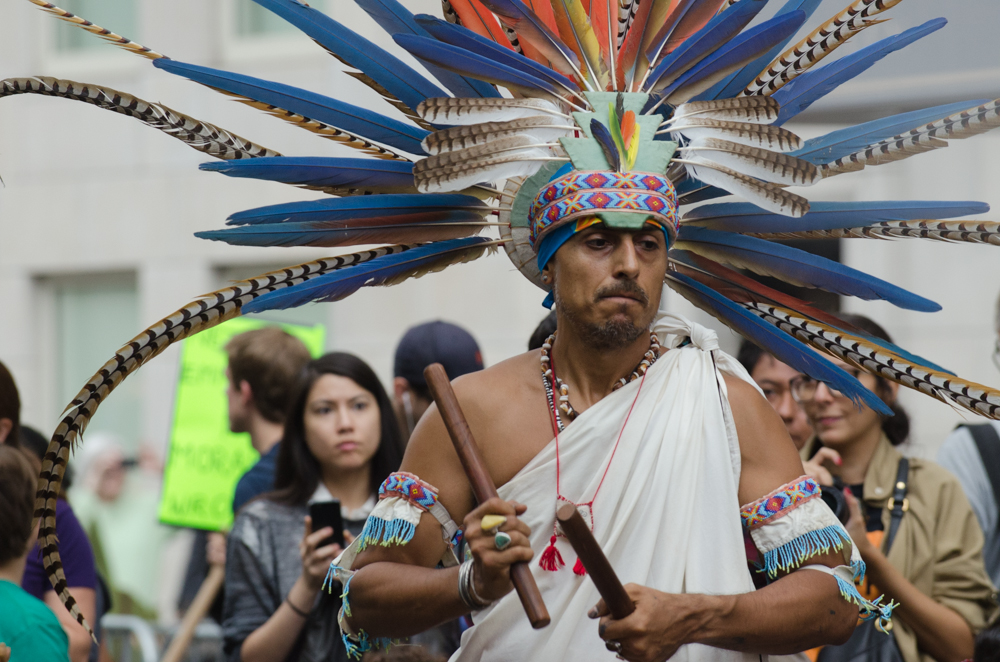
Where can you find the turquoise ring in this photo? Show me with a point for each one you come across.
(501, 540)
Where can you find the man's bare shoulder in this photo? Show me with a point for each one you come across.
(502, 383)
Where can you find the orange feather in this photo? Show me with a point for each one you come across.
(480, 20)
(543, 10)
(648, 21)
(695, 19)
(628, 128)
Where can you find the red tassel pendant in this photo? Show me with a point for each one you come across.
(578, 568)
(551, 559)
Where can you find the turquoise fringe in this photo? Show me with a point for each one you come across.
(330, 578)
(869, 609)
(791, 555)
(377, 531)
(362, 643)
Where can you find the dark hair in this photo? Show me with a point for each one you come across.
(270, 360)
(298, 472)
(36, 443)
(749, 355)
(10, 405)
(897, 426)
(544, 329)
(987, 647)
(17, 502)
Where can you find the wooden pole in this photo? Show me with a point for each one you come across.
(594, 560)
(482, 483)
(202, 602)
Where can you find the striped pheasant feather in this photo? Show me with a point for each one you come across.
(103, 33)
(973, 232)
(824, 40)
(449, 13)
(882, 362)
(387, 96)
(202, 136)
(201, 314)
(626, 14)
(925, 138)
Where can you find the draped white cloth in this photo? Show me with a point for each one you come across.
(667, 514)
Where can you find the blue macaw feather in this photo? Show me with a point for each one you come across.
(783, 346)
(732, 85)
(394, 18)
(398, 79)
(344, 282)
(353, 207)
(820, 81)
(755, 291)
(748, 218)
(603, 136)
(722, 28)
(320, 171)
(740, 50)
(426, 49)
(403, 229)
(470, 41)
(338, 114)
(798, 266)
(838, 144)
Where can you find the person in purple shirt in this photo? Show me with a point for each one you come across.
(78, 564)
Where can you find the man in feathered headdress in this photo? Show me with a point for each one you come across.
(670, 441)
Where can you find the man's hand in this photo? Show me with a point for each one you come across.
(4, 653)
(819, 467)
(660, 624)
(492, 566)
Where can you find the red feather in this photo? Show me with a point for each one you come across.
(628, 128)
(480, 20)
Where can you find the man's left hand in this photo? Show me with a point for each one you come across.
(660, 624)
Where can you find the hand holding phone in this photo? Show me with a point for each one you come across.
(327, 513)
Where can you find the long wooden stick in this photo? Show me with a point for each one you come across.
(202, 602)
(482, 483)
(594, 560)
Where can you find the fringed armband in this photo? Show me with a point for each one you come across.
(357, 643)
(793, 524)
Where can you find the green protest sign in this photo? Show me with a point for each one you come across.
(205, 459)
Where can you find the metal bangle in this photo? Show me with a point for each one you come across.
(466, 588)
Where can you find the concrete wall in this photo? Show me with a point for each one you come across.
(89, 192)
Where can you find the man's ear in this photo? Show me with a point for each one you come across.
(246, 392)
(399, 386)
(6, 425)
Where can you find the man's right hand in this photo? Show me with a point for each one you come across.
(492, 566)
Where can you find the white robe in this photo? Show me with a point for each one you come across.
(667, 515)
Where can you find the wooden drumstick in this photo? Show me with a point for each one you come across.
(482, 483)
(594, 560)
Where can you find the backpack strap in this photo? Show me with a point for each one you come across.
(988, 444)
(898, 504)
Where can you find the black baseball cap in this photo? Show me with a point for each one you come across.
(436, 342)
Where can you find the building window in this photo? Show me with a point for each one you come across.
(119, 16)
(95, 315)
(253, 20)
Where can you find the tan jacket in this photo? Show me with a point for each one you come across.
(939, 544)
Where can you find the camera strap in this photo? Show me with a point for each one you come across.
(898, 504)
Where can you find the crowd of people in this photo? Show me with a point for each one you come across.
(328, 431)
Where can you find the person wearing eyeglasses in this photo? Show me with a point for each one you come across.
(929, 561)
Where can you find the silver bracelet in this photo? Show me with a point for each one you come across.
(467, 588)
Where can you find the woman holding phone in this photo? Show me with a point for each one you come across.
(341, 441)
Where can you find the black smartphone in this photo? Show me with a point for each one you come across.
(327, 513)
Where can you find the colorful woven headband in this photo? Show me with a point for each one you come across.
(593, 193)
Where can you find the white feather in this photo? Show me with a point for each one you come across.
(765, 196)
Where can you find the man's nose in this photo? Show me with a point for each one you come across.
(787, 408)
(627, 259)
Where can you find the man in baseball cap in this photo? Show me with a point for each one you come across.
(424, 344)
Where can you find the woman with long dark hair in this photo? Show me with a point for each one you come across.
(341, 441)
(909, 520)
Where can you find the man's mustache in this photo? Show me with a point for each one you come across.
(625, 288)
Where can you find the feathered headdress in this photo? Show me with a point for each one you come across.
(550, 114)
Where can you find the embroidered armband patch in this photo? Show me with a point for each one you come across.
(779, 503)
(407, 486)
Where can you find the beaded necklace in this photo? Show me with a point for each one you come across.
(551, 559)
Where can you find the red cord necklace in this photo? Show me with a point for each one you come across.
(551, 559)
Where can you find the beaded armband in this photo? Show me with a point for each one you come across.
(793, 524)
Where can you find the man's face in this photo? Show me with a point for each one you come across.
(774, 378)
(607, 283)
(238, 404)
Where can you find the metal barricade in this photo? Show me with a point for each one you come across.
(132, 639)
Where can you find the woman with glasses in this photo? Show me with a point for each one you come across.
(929, 560)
